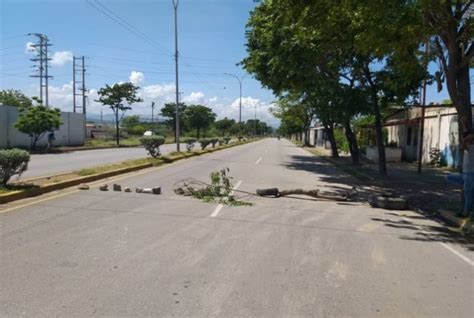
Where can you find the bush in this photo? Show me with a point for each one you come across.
(226, 140)
(137, 130)
(12, 162)
(214, 141)
(152, 144)
(204, 143)
(189, 143)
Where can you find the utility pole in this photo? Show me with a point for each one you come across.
(42, 58)
(255, 122)
(175, 5)
(422, 122)
(152, 112)
(240, 80)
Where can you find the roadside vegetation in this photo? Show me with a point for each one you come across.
(345, 62)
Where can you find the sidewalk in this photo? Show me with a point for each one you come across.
(428, 192)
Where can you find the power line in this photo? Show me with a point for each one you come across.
(125, 24)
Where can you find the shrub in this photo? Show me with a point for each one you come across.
(226, 140)
(12, 162)
(204, 143)
(137, 130)
(189, 143)
(214, 141)
(152, 144)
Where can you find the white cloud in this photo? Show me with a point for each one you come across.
(194, 98)
(29, 49)
(158, 91)
(136, 78)
(60, 58)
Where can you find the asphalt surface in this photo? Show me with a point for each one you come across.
(49, 164)
(113, 254)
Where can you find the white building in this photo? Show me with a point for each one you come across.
(440, 132)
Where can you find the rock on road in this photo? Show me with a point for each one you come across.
(96, 254)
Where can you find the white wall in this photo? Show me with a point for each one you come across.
(71, 132)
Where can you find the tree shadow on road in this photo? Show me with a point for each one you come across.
(429, 233)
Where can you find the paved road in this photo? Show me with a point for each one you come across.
(111, 254)
(50, 164)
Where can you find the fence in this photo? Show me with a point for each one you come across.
(71, 132)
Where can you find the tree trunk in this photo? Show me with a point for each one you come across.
(352, 140)
(330, 133)
(379, 136)
(117, 132)
(306, 138)
(198, 133)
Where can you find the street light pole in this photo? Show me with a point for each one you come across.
(175, 5)
(152, 113)
(240, 80)
(255, 122)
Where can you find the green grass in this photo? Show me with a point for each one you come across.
(120, 165)
(13, 188)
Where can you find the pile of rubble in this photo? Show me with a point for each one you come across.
(118, 187)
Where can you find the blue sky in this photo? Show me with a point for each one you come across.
(211, 42)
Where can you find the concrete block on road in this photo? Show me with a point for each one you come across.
(83, 186)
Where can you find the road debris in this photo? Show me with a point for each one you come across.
(156, 190)
(218, 191)
(127, 189)
(104, 187)
(117, 187)
(83, 186)
(275, 192)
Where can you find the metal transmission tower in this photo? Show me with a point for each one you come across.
(42, 59)
(79, 84)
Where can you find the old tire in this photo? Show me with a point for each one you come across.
(388, 201)
(268, 192)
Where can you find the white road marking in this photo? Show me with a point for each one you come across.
(220, 206)
(258, 161)
(449, 248)
(217, 210)
(461, 256)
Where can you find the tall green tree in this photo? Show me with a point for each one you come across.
(199, 118)
(169, 112)
(12, 97)
(224, 125)
(37, 121)
(119, 97)
(314, 47)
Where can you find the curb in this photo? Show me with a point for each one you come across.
(22, 194)
(453, 220)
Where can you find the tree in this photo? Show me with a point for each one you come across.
(315, 48)
(169, 111)
(15, 98)
(224, 125)
(199, 117)
(130, 121)
(447, 27)
(119, 97)
(37, 121)
(297, 113)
